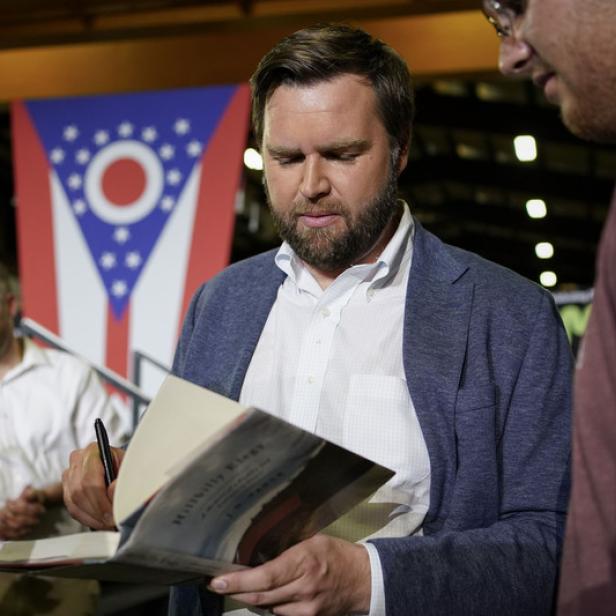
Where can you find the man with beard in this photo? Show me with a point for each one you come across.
(568, 48)
(366, 329)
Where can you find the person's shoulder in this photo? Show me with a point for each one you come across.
(65, 361)
(257, 265)
(242, 278)
(497, 289)
(489, 275)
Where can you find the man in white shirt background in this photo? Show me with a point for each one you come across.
(48, 403)
(366, 329)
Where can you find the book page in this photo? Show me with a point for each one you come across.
(180, 419)
(56, 550)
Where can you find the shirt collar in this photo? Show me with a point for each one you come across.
(389, 261)
(33, 356)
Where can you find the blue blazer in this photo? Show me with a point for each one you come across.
(488, 367)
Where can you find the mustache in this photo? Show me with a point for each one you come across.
(302, 208)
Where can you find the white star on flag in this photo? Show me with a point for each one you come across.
(119, 288)
(167, 203)
(174, 177)
(149, 134)
(82, 156)
(74, 181)
(181, 126)
(79, 207)
(101, 137)
(125, 129)
(70, 133)
(193, 148)
(121, 235)
(133, 260)
(166, 151)
(107, 260)
(56, 155)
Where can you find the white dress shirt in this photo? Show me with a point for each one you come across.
(330, 361)
(48, 404)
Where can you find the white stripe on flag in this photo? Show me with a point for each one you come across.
(157, 298)
(82, 301)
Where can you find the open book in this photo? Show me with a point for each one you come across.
(207, 486)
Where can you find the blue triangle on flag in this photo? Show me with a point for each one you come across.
(123, 162)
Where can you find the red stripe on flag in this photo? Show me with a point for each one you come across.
(221, 168)
(34, 221)
(116, 357)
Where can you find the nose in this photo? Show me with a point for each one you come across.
(315, 183)
(515, 57)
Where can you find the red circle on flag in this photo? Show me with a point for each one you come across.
(123, 181)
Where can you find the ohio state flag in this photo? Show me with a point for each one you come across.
(125, 204)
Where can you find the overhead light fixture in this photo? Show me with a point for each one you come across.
(548, 279)
(544, 250)
(253, 160)
(536, 208)
(525, 147)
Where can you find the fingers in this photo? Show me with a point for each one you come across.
(23, 508)
(321, 575)
(283, 597)
(85, 494)
(19, 517)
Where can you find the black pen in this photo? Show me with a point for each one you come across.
(104, 450)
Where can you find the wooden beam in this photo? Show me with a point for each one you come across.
(441, 44)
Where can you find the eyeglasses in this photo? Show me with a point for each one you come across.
(502, 14)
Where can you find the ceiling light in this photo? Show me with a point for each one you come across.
(548, 279)
(544, 250)
(253, 160)
(525, 148)
(536, 208)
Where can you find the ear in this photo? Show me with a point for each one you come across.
(12, 305)
(403, 159)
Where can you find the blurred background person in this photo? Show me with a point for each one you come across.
(48, 403)
(568, 49)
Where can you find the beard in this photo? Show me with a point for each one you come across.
(328, 248)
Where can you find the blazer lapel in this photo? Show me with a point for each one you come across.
(438, 309)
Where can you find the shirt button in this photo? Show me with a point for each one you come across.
(370, 293)
(317, 341)
(311, 379)
(325, 312)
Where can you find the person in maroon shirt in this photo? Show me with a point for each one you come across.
(568, 49)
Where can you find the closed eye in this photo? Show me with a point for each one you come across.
(342, 156)
(288, 160)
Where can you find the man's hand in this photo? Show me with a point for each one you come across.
(20, 515)
(322, 575)
(86, 497)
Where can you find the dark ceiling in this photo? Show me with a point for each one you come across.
(42, 22)
(463, 182)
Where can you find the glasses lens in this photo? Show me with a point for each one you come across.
(498, 19)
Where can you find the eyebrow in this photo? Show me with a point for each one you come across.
(357, 145)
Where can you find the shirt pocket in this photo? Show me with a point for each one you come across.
(380, 423)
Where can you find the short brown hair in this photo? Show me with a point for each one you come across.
(325, 51)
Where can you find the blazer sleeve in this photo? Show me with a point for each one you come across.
(506, 565)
